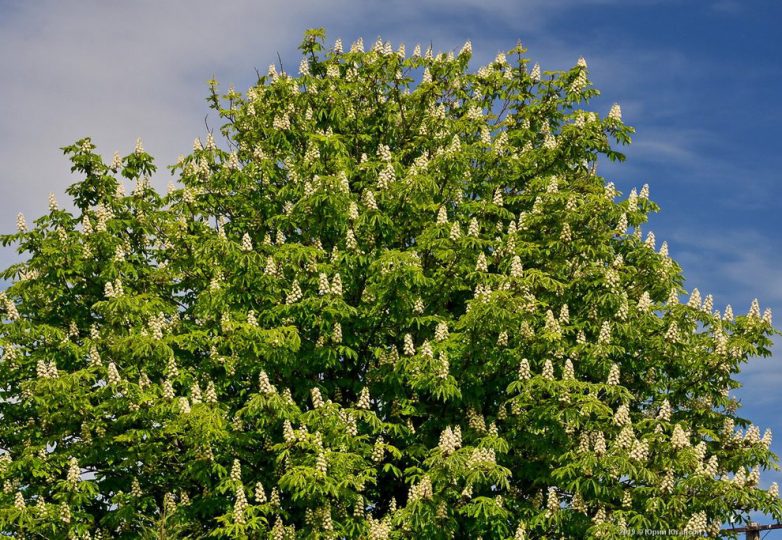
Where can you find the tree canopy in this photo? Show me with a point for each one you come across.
(392, 298)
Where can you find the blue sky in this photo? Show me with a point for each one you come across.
(699, 79)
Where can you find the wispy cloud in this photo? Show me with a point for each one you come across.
(118, 71)
(669, 146)
(743, 262)
(762, 379)
(728, 7)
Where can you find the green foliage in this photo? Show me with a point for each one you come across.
(403, 304)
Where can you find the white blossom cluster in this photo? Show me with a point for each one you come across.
(113, 290)
(626, 437)
(379, 529)
(46, 370)
(317, 399)
(441, 332)
(548, 370)
(240, 506)
(551, 323)
(409, 346)
(113, 376)
(420, 491)
(680, 437)
(183, 404)
(74, 472)
(10, 307)
(450, 440)
(640, 450)
(667, 483)
(698, 523)
(94, 357)
(613, 375)
(622, 415)
(295, 294)
(321, 463)
(481, 457)
(378, 450)
(363, 399)
(604, 337)
(524, 370)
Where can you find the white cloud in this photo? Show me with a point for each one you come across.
(117, 71)
(120, 70)
(761, 379)
(744, 262)
(727, 7)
